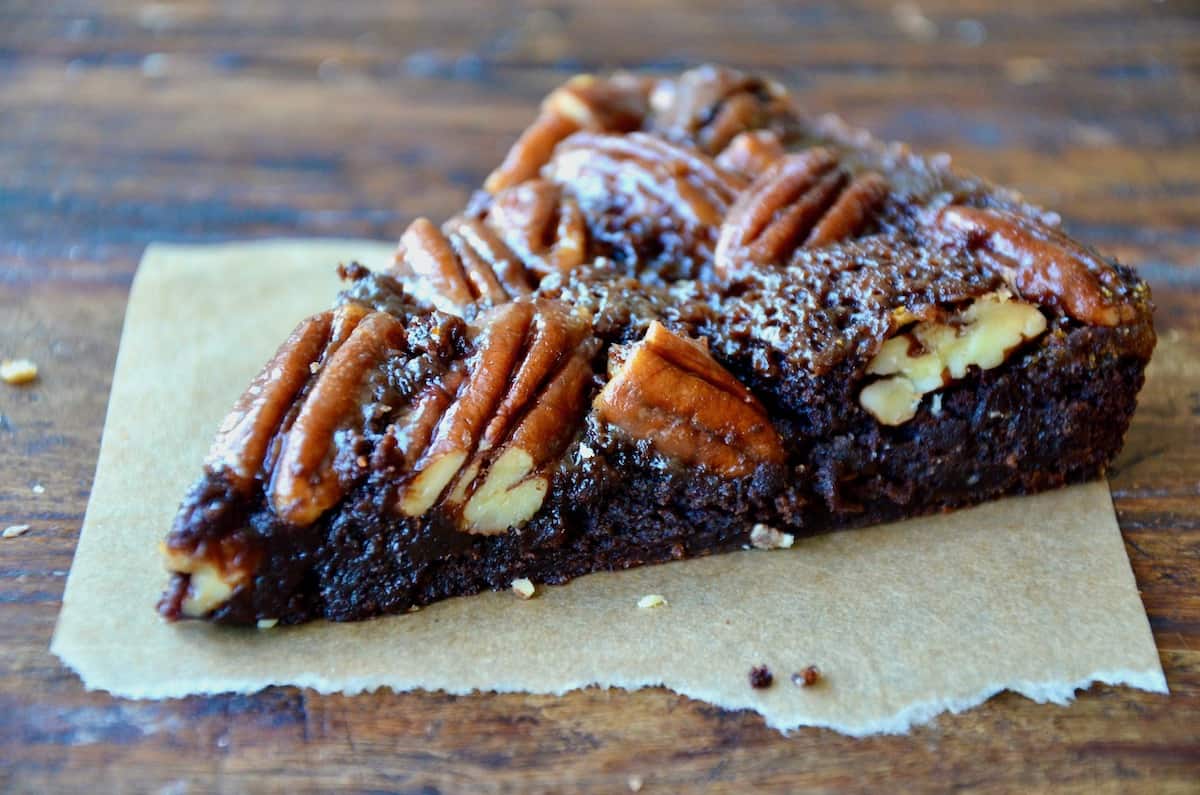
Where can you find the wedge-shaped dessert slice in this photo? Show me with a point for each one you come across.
(681, 317)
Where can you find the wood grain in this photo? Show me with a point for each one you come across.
(125, 122)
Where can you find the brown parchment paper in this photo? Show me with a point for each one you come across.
(1030, 594)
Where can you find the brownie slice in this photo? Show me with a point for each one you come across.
(682, 317)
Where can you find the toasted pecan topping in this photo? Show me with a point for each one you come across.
(669, 390)
(545, 228)
(751, 153)
(520, 403)
(688, 183)
(1041, 263)
(462, 263)
(801, 200)
(710, 105)
(244, 436)
(584, 102)
(304, 483)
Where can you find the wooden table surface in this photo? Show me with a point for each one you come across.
(127, 122)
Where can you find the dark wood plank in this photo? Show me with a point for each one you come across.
(123, 122)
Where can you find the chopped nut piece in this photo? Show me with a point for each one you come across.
(524, 588)
(38, 488)
(267, 623)
(766, 537)
(17, 371)
(652, 600)
(635, 783)
(808, 677)
(761, 677)
(15, 530)
(981, 336)
(668, 390)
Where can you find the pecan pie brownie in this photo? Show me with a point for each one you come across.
(680, 318)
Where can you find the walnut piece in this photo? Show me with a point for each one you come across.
(801, 200)
(933, 353)
(1040, 263)
(17, 371)
(615, 104)
(668, 390)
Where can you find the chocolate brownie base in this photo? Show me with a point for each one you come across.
(1054, 416)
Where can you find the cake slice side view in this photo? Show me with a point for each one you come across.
(680, 310)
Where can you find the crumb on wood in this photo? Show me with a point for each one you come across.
(15, 530)
(38, 488)
(652, 600)
(808, 677)
(761, 677)
(635, 783)
(524, 588)
(17, 371)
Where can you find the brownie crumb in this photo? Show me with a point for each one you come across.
(808, 677)
(761, 677)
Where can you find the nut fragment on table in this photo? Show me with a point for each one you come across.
(15, 530)
(17, 371)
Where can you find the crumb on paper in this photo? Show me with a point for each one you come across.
(524, 588)
(808, 677)
(16, 530)
(38, 488)
(635, 783)
(17, 371)
(764, 536)
(267, 623)
(761, 677)
(652, 600)
(413, 609)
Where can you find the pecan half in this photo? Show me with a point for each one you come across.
(667, 389)
(304, 484)
(545, 228)
(802, 200)
(751, 153)
(462, 263)
(711, 104)
(242, 441)
(520, 404)
(584, 102)
(1039, 262)
(460, 428)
